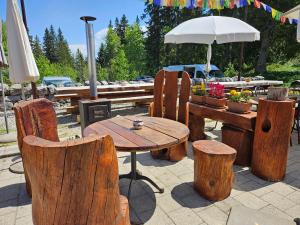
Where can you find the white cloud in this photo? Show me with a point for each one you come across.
(99, 39)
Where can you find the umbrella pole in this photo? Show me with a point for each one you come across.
(3, 101)
(33, 84)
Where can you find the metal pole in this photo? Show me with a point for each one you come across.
(90, 40)
(4, 105)
(33, 84)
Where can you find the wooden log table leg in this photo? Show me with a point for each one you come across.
(241, 140)
(196, 126)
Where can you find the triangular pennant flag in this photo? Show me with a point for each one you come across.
(290, 21)
(264, 6)
(199, 3)
(283, 19)
(273, 11)
(268, 9)
(257, 4)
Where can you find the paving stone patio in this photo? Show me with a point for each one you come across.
(179, 204)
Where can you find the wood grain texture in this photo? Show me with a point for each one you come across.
(75, 182)
(244, 121)
(166, 105)
(158, 94)
(213, 169)
(241, 140)
(156, 134)
(35, 117)
(196, 125)
(271, 139)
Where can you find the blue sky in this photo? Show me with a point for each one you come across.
(66, 14)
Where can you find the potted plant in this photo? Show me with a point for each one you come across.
(198, 93)
(216, 96)
(239, 102)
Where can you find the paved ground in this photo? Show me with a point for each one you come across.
(180, 204)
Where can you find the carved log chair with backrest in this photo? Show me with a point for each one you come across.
(74, 182)
(35, 117)
(166, 104)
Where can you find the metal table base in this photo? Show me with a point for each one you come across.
(136, 175)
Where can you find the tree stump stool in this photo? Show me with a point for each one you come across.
(271, 139)
(213, 173)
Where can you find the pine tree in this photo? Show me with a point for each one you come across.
(119, 67)
(135, 50)
(121, 29)
(49, 45)
(112, 46)
(63, 50)
(80, 66)
(36, 47)
(101, 56)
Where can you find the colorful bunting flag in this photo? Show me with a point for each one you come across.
(221, 4)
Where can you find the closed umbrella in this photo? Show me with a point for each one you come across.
(21, 60)
(294, 14)
(210, 29)
(3, 64)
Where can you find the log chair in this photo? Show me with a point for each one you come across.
(272, 138)
(75, 182)
(213, 169)
(35, 117)
(165, 105)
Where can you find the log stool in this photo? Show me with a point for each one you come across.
(213, 173)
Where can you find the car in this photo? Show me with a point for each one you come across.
(145, 78)
(58, 81)
(197, 71)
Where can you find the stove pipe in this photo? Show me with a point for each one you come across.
(90, 42)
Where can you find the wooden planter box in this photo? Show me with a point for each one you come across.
(238, 107)
(198, 99)
(215, 102)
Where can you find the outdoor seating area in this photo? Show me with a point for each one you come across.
(185, 145)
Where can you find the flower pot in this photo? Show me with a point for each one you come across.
(197, 99)
(215, 102)
(238, 107)
(277, 93)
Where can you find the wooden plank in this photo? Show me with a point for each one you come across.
(165, 126)
(121, 143)
(171, 94)
(132, 99)
(160, 139)
(244, 121)
(184, 97)
(158, 94)
(142, 143)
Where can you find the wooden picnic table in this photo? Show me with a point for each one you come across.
(157, 134)
(237, 131)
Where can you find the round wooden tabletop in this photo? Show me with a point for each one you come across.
(156, 134)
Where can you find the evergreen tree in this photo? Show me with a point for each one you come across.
(49, 45)
(36, 47)
(135, 50)
(63, 51)
(137, 20)
(119, 67)
(80, 66)
(121, 29)
(112, 46)
(101, 56)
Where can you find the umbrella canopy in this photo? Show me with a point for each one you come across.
(294, 14)
(21, 60)
(3, 61)
(207, 30)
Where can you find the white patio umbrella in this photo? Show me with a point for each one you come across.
(207, 30)
(21, 60)
(294, 14)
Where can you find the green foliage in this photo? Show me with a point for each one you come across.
(230, 71)
(49, 45)
(119, 67)
(120, 28)
(80, 65)
(4, 36)
(36, 47)
(102, 73)
(63, 51)
(112, 46)
(135, 50)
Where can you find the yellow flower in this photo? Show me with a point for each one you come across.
(233, 93)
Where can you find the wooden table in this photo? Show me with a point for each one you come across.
(237, 131)
(157, 134)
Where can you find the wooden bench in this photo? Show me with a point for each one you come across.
(213, 169)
